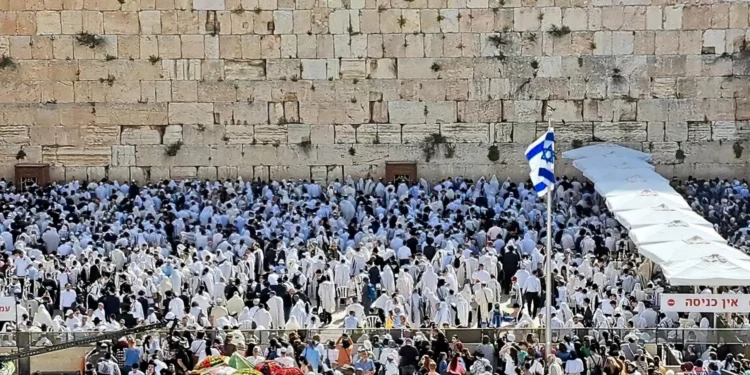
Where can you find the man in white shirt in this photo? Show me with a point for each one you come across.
(67, 298)
(403, 253)
(285, 360)
(532, 290)
(351, 321)
(482, 275)
(135, 370)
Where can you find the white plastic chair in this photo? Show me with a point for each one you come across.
(372, 321)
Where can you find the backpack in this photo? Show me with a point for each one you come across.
(597, 367)
(272, 354)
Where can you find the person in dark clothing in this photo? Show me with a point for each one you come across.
(408, 358)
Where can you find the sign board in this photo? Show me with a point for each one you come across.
(718, 303)
(7, 309)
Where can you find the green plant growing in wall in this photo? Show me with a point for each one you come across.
(557, 31)
(89, 40)
(306, 145)
(154, 59)
(110, 80)
(450, 150)
(6, 62)
(352, 151)
(679, 155)
(436, 67)
(497, 40)
(493, 153)
(737, 148)
(430, 144)
(110, 58)
(402, 21)
(576, 143)
(173, 149)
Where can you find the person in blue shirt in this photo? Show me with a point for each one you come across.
(364, 363)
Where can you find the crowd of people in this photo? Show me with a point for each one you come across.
(239, 256)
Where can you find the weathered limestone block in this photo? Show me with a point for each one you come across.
(569, 131)
(656, 131)
(191, 113)
(407, 112)
(270, 134)
(77, 156)
(480, 111)
(466, 133)
(322, 134)
(345, 134)
(245, 70)
(140, 135)
(522, 111)
(199, 134)
(501, 132)
(416, 133)
(156, 155)
(620, 131)
(14, 135)
(676, 131)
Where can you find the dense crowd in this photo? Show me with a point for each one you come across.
(252, 255)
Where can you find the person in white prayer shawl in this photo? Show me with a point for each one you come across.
(327, 295)
(442, 315)
(276, 309)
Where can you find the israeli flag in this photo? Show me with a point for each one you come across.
(541, 157)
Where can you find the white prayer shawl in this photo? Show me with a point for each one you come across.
(299, 312)
(359, 311)
(292, 324)
(341, 274)
(467, 294)
(415, 309)
(380, 302)
(443, 315)
(235, 304)
(489, 263)
(177, 307)
(388, 281)
(405, 283)
(42, 316)
(262, 318)
(429, 280)
(463, 307)
(176, 280)
(497, 290)
(327, 295)
(484, 298)
(276, 309)
(219, 312)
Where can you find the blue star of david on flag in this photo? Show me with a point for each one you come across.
(541, 157)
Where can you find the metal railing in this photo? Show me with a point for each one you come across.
(675, 336)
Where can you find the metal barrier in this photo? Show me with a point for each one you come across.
(675, 336)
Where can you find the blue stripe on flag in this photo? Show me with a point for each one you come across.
(547, 174)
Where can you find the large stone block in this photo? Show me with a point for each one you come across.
(191, 113)
(407, 112)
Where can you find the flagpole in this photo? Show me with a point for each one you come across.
(548, 270)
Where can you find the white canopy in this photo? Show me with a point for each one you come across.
(604, 174)
(712, 270)
(658, 215)
(611, 163)
(605, 150)
(616, 187)
(673, 231)
(645, 199)
(661, 223)
(690, 248)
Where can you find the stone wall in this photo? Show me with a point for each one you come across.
(325, 88)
